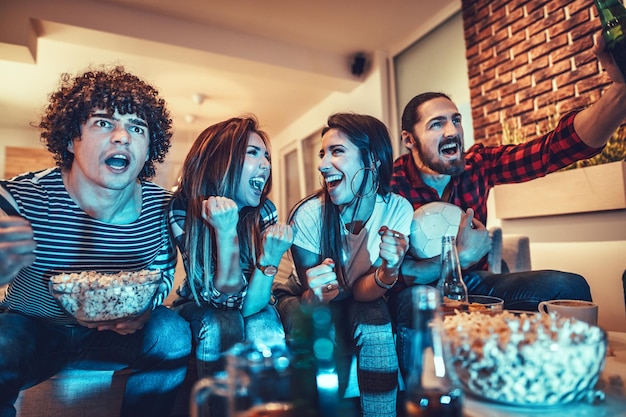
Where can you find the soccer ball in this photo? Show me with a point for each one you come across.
(430, 223)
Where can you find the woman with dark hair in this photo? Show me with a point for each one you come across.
(350, 239)
(230, 241)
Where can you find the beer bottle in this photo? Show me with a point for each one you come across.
(432, 386)
(451, 284)
(315, 390)
(613, 18)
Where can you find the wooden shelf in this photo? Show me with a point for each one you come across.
(19, 160)
(594, 188)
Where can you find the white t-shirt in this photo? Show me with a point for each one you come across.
(360, 251)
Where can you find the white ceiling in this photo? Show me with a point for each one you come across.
(273, 58)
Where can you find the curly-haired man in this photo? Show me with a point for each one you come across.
(96, 211)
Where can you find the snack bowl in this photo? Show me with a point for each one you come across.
(94, 298)
(475, 303)
(485, 303)
(529, 360)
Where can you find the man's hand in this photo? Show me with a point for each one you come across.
(17, 247)
(600, 51)
(472, 241)
(124, 327)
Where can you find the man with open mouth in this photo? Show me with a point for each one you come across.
(437, 169)
(95, 211)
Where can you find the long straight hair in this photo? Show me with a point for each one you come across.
(371, 137)
(213, 167)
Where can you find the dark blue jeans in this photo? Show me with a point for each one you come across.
(215, 331)
(32, 351)
(519, 290)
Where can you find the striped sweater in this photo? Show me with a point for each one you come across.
(69, 240)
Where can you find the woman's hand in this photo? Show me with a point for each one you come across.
(322, 280)
(393, 247)
(221, 213)
(277, 240)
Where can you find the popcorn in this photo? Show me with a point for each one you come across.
(90, 296)
(527, 359)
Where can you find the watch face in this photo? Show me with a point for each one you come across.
(269, 270)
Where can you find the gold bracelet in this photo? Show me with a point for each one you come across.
(382, 284)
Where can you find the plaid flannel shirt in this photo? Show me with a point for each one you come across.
(486, 167)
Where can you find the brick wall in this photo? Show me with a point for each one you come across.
(529, 60)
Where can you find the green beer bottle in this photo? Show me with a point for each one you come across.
(613, 17)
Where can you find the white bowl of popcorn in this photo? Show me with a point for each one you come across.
(97, 298)
(525, 359)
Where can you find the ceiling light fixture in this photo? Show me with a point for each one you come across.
(198, 98)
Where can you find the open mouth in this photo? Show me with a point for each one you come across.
(333, 180)
(257, 183)
(450, 148)
(117, 161)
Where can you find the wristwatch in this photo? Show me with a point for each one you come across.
(268, 270)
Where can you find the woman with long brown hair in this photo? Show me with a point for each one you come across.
(229, 239)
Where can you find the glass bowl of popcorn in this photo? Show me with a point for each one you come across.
(529, 360)
(94, 298)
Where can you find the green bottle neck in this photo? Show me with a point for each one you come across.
(605, 4)
(610, 10)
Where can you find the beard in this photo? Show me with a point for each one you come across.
(433, 161)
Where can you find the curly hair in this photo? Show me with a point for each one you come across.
(111, 90)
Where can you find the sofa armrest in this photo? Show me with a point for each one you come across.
(495, 254)
(509, 253)
(516, 252)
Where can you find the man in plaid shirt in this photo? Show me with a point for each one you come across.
(437, 169)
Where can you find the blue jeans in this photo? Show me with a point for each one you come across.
(214, 331)
(519, 290)
(32, 351)
(365, 329)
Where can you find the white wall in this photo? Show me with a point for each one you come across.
(27, 137)
(436, 62)
(590, 244)
(368, 98)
